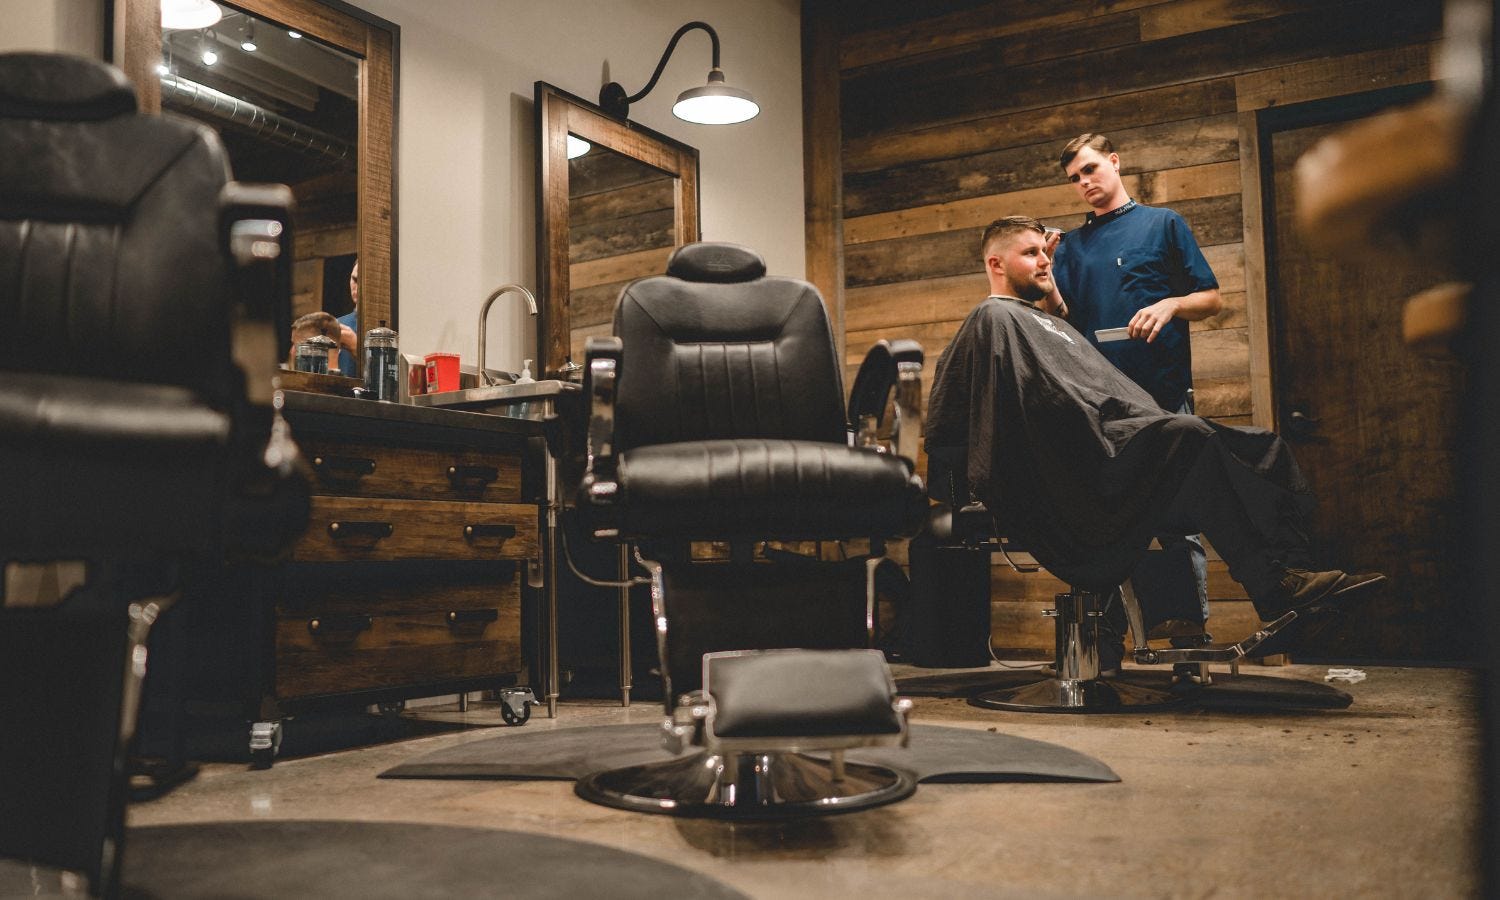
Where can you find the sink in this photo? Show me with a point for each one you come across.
(532, 400)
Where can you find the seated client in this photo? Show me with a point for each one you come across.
(1083, 466)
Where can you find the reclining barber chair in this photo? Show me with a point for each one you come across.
(716, 416)
(1075, 684)
(144, 304)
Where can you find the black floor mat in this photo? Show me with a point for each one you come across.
(372, 861)
(1248, 693)
(226, 738)
(936, 754)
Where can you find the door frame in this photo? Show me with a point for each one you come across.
(1257, 179)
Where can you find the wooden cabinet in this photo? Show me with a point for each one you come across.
(422, 543)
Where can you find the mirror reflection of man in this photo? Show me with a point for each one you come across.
(349, 339)
(1139, 267)
(315, 323)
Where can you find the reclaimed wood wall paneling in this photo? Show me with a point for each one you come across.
(873, 103)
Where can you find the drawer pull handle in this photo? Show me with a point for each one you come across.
(376, 530)
(461, 476)
(339, 624)
(466, 616)
(343, 468)
(503, 532)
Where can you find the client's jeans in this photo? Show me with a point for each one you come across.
(1174, 584)
(1256, 525)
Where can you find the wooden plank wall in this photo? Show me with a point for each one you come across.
(953, 113)
(325, 223)
(621, 220)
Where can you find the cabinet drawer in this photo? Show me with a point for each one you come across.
(391, 588)
(345, 529)
(419, 473)
(320, 656)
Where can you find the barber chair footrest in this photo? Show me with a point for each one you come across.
(747, 786)
(809, 694)
(1078, 696)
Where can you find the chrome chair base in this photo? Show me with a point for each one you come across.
(1080, 689)
(1073, 696)
(747, 786)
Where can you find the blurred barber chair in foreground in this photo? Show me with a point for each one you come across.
(144, 304)
(717, 416)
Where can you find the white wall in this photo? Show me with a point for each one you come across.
(466, 144)
(71, 26)
(466, 152)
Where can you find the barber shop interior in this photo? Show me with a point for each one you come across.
(758, 449)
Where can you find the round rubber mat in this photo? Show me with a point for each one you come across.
(376, 860)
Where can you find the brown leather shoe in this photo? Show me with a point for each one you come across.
(1302, 590)
(1175, 628)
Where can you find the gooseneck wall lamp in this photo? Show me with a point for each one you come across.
(715, 103)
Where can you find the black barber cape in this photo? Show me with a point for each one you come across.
(1073, 458)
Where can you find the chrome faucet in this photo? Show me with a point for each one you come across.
(484, 312)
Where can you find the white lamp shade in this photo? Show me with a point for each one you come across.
(715, 104)
(577, 147)
(186, 14)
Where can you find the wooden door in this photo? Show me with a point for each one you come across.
(1373, 427)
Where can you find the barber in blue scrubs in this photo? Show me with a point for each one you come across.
(1137, 267)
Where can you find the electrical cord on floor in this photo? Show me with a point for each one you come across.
(568, 558)
(990, 645)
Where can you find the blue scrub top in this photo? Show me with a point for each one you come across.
(1122, 262)
(346, 359)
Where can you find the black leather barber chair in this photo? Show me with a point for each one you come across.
(717, 416)
(1075, 684)
(144, 304)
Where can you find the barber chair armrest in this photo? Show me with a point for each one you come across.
(602, 359)
(885, 404)
(971, 525)
(256, 229)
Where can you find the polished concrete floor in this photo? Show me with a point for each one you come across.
(1378, 800)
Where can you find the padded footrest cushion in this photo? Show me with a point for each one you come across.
(801, 693)
(795, 490)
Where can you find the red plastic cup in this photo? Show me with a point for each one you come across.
(442, 372)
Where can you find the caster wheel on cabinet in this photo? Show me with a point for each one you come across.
(265, 743)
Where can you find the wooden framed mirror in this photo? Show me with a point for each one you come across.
(607, 213)
(311, 103)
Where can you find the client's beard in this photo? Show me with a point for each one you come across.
(1031, 293)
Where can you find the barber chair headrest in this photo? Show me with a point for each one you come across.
(60, 87)
(717, 263)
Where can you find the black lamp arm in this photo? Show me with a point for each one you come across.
(614, 88)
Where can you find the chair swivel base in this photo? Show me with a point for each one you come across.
(1077, 615)
(1078, 696)
(746, 786)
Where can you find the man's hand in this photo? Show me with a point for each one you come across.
(1050, 240)
(1148, 321)
(1199, 305)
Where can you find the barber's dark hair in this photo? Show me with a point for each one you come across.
(1087, 139)
(1004, 228)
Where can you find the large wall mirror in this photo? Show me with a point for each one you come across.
(303, 93)
(613, 200)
